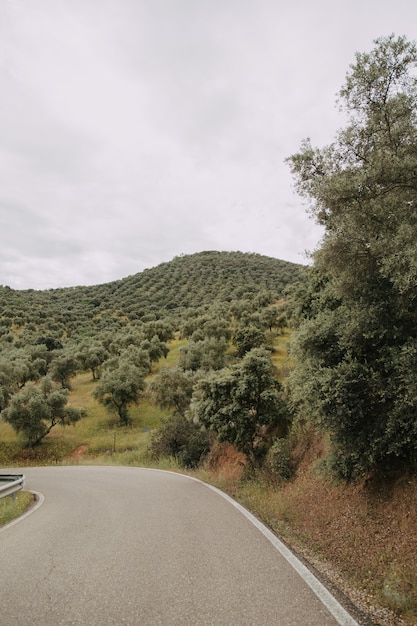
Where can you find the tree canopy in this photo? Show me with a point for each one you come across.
(36, 409)
(120, 387)
(355, 348)
(237, 403)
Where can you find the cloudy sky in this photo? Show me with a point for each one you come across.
(132, 131)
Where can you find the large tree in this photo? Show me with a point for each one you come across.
(238, 403)
(355, 348)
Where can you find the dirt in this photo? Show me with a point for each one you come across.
(225, 463)
(79, 452)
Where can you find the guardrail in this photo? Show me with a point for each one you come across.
(13, 483)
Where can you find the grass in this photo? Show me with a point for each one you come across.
(280, 356)
(10, 507)
(99, 433)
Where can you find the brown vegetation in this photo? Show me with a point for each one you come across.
(362, 537)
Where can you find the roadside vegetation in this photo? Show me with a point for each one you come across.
(292, 388)
(11, 508)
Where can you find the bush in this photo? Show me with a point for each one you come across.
(180, 438)
(277, 461)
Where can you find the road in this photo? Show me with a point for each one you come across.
(118, 545)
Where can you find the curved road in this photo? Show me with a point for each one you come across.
(118, 545)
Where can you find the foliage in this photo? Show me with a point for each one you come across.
(120, 387)
(207, 353)
(215, 324)
(355, 349)
(36, 409)
(278, 460)
(151, 300)
(91, 355)
(246, 337)
(171, 388)
(63, 367)
(240, 402)
(181, 438)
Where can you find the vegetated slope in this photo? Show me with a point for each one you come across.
(362, 537)
(165, 290)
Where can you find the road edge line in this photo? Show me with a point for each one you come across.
(340, 614)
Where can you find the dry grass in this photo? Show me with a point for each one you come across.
(362, 537)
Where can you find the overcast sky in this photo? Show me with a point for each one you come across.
(133, 131)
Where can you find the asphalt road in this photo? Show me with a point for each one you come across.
(117, 545)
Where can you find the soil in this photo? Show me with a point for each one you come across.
(79, 452)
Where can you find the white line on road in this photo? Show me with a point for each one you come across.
(329, 601)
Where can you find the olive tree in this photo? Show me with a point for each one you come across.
(120, 387)
(63, 367)
(172, 388)
(36, 409)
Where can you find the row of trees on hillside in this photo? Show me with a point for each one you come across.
(162, 292)
(35, 380)
(36, 376)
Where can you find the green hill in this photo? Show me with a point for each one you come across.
(168, 289)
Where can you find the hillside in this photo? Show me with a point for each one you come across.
(362, 534)
(187, 281)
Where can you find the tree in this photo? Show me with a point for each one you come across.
(273, 317)
(181, 438)
(51, 343)
(155, 347)
(139, 357)
(36, 409)
(205, 354)
(246, 337)
(91, 355)
(355, 349)
(23, 366)
(63, 367)
(240, 402)
(7, 381)
(214, 324)
(120, 387)
(172, 388)
(163, 329)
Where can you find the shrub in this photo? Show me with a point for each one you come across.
(277, 461)
(180, 438)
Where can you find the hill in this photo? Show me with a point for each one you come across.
(187, 281)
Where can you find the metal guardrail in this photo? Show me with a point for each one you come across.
(12, 484)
